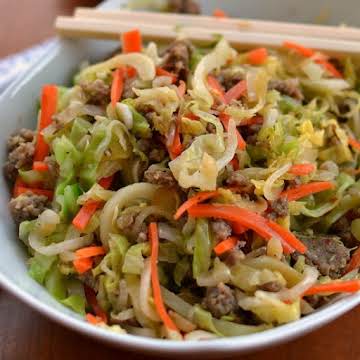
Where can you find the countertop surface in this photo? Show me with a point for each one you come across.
(24, 334)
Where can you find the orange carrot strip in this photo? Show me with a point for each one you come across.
(130, 71)
(301, 191)
(92, 301)
(159, 304)
(176, 148)
(330, 68)
(162, 72)
(216, 88)
(18, 190)
(302, 169)
(257, 56)
(354, 262)
(117, 86)
(354, 143)
(347, 286)
(181, 89)
(244, 217)
(40, 166)
(252, 121)
(235, 92)
(219, 13)
(89, 251)
(302, 50)
(288, 237)
(194, 200)
(48, 109)
(237, 228)
(92, 319)
(191, 116)
(106, 181)
(84, 215)
(235, 163)
(83, 265)
(225, 245)
(131, 41)
(225, 121)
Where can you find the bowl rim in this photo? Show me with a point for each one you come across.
(226, 345)
(243, 343)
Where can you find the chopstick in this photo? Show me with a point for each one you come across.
(103, 24)
(235, 24)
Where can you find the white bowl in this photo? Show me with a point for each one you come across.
(18, 108)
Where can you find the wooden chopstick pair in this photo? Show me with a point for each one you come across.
(108, 24)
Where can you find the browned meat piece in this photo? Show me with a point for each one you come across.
(97, 92)
(27, 206)
(221, 229)
(288, 87)
(184, 6)
(278, 208)
(228, 78)
(21, 151)
(159, 176)
(143, 235)
(157, 155)
(235, 255)
(125, 221)
(210, 128)
(241, 182)
(271, 286)
(89, 280)
(220, 300)
(250, 133)
(177, 57)
(326, 252)
(342, 228)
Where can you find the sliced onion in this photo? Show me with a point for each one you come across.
(146, 332)
(58, 248)
(171, 134)
(270, 193)
(198, 335)
(160, 81)
(168, 232)
(125, 115)
(123, 295)
(310, 277)
(123, 315)
(145, 293)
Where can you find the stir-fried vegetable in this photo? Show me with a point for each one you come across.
(182, 192)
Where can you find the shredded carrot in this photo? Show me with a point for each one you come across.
(48, 109)
(106, 181)
(117, 86)
(219, 13)
(300, 49)
(288, 237)
(89, 251)
(330, 68)
(84, 215)
(18, 190)
(216, 88)
(257, 56)
(83, 265)
(18, 184)
(40, 166)
(158, 301)
(225, 121)
(92, 319)
(130, 71)
(235, 92)
(181, 89)
(252, 121)
(176, 148)
(244, 217)
(131, 41)
(162, 72)
(92, 301)
(354, 262)
(237, 228)
(225, 245)
(302, 169)
(235, 163)
(191, 116)
(301, 191)
(194, 200)
(354, 143)
(347, 286)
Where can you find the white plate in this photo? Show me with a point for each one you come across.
(18, 108)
